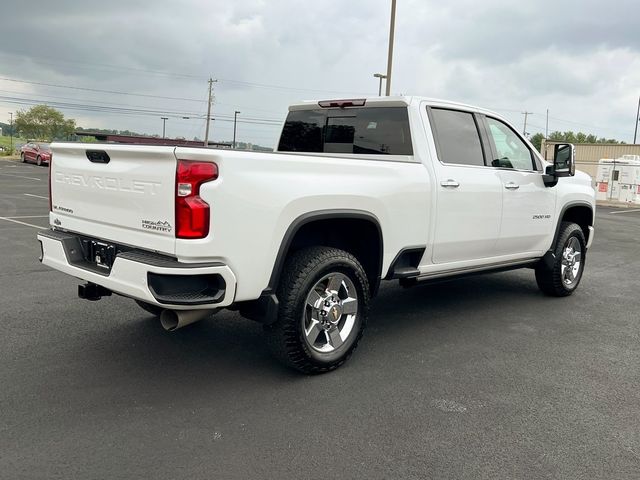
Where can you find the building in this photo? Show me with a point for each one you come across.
(588, 155)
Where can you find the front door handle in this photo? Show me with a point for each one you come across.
(512, 186)
(449, 183)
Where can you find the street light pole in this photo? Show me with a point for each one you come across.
(637, 117)
(164, 122)
(235, 119)
(380, 76)
(392, 28)
(11, 133)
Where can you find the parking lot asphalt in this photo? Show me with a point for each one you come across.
(476, 378)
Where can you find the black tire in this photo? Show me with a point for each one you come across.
(302, 273)
(22, 159)
(550, 280)
(38, 161)
(152, 309)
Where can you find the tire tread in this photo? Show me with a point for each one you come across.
(283, 337)
(549, 280)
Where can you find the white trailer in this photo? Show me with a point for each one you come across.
(618, 180)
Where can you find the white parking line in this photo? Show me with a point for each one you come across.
(22, 223)
(625, 211)
(28, 216)
(37, 196)
(20, 176)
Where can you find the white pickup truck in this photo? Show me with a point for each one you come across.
(357, 191)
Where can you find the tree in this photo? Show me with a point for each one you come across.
(43, 123)
(537, 140)
(569, 137)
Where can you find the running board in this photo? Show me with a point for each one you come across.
(465, 272)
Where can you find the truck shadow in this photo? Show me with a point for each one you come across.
(451, 299)
(227, 345)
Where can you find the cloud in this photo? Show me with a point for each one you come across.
(581, 62)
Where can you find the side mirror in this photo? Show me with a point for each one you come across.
(564, 164)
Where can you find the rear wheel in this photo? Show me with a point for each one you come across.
(148, 307)
(39, 161)
(324, 299)
(564, 276)
(22, 159)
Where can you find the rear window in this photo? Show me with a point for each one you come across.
(377, 131)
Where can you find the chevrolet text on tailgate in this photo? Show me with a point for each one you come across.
(357, 191)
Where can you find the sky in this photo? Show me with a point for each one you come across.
(124, 64)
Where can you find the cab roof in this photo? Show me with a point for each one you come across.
(394, 101)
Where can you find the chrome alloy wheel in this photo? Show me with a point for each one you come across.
(330, 312)
(571, 261)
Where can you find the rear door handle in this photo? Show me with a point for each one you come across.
(449, 183)
(512, 186)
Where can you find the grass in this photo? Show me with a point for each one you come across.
(5, 141)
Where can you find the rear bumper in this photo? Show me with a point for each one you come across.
(148, 277)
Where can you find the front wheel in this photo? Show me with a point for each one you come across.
(570, 251)
(324, 299)
(22, 159)
(39, 161)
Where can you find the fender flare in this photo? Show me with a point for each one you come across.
(265, 308)
(563, 211)
(309, 217)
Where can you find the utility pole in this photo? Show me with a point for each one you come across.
(235, 119)
(164, 122)
(637, 117)
(546, 128)
(206, 130)
(11, 133)
(526, 114)
(392, 28)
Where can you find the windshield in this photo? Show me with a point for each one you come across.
(377, 131)
(44, 146)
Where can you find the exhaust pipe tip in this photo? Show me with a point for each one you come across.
(169, 320)
(174, 319)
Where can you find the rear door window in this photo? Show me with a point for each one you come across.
(373, 131)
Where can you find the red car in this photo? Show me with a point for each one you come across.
(34, 152)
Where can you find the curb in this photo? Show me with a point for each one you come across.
(605, 203)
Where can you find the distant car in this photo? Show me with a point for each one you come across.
(35, 152)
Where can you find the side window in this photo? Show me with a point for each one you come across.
(511, 151)
(457, 137)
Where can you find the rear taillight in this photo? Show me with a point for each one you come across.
(50, 167)
(192, 212)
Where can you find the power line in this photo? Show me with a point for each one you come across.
(184, 75)
(134, 111)
(47, 61)
(100, 91)
(142, 106)
(281, 87)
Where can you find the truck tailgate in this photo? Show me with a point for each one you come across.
(121, 193)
